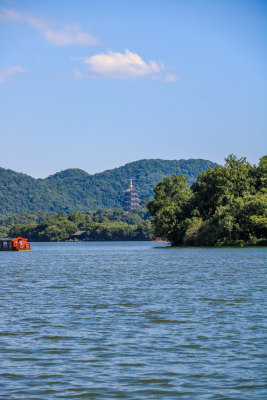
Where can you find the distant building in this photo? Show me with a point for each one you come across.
(131, 198)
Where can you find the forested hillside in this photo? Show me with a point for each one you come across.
(76, 190)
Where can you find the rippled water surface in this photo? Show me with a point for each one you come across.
(131, 321)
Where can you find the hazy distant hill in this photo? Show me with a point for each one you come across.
(76, 190)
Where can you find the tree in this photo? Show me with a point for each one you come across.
(228, 206)
(62, 227)
(169, 208)
(221, 185)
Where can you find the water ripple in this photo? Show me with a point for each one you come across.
(129, 321)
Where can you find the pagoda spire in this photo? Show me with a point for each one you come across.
(131, 198)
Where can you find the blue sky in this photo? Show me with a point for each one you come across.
(96, 84)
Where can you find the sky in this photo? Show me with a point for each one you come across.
(97, 84)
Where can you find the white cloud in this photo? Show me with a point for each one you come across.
(6, 74)
(77, 74)
(13, 15)
(67, 34)
(120, 65)
(70, 34)
(171, 78)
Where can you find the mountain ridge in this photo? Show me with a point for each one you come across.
(74, 189)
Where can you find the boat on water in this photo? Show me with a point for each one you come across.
(159, 239)
(14, 244)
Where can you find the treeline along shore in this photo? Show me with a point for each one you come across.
(114, 224)
(225, 206)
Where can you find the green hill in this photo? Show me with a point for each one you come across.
(76, 190)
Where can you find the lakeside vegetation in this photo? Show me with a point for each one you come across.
(111, 224)
(226, 206)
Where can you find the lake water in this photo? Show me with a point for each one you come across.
(131, 321)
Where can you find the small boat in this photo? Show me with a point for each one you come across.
(14, 244)
(159, 239)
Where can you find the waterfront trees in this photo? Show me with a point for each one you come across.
(99, 225)
(227, 205)
(169, 208)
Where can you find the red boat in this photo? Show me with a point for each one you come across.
(14, 244)
(158, 239)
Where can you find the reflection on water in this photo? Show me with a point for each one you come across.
(130, 321)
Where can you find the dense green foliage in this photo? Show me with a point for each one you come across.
(99, 225)
(35, 217)
(227, 205)
(75, 190)
(169, 207)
